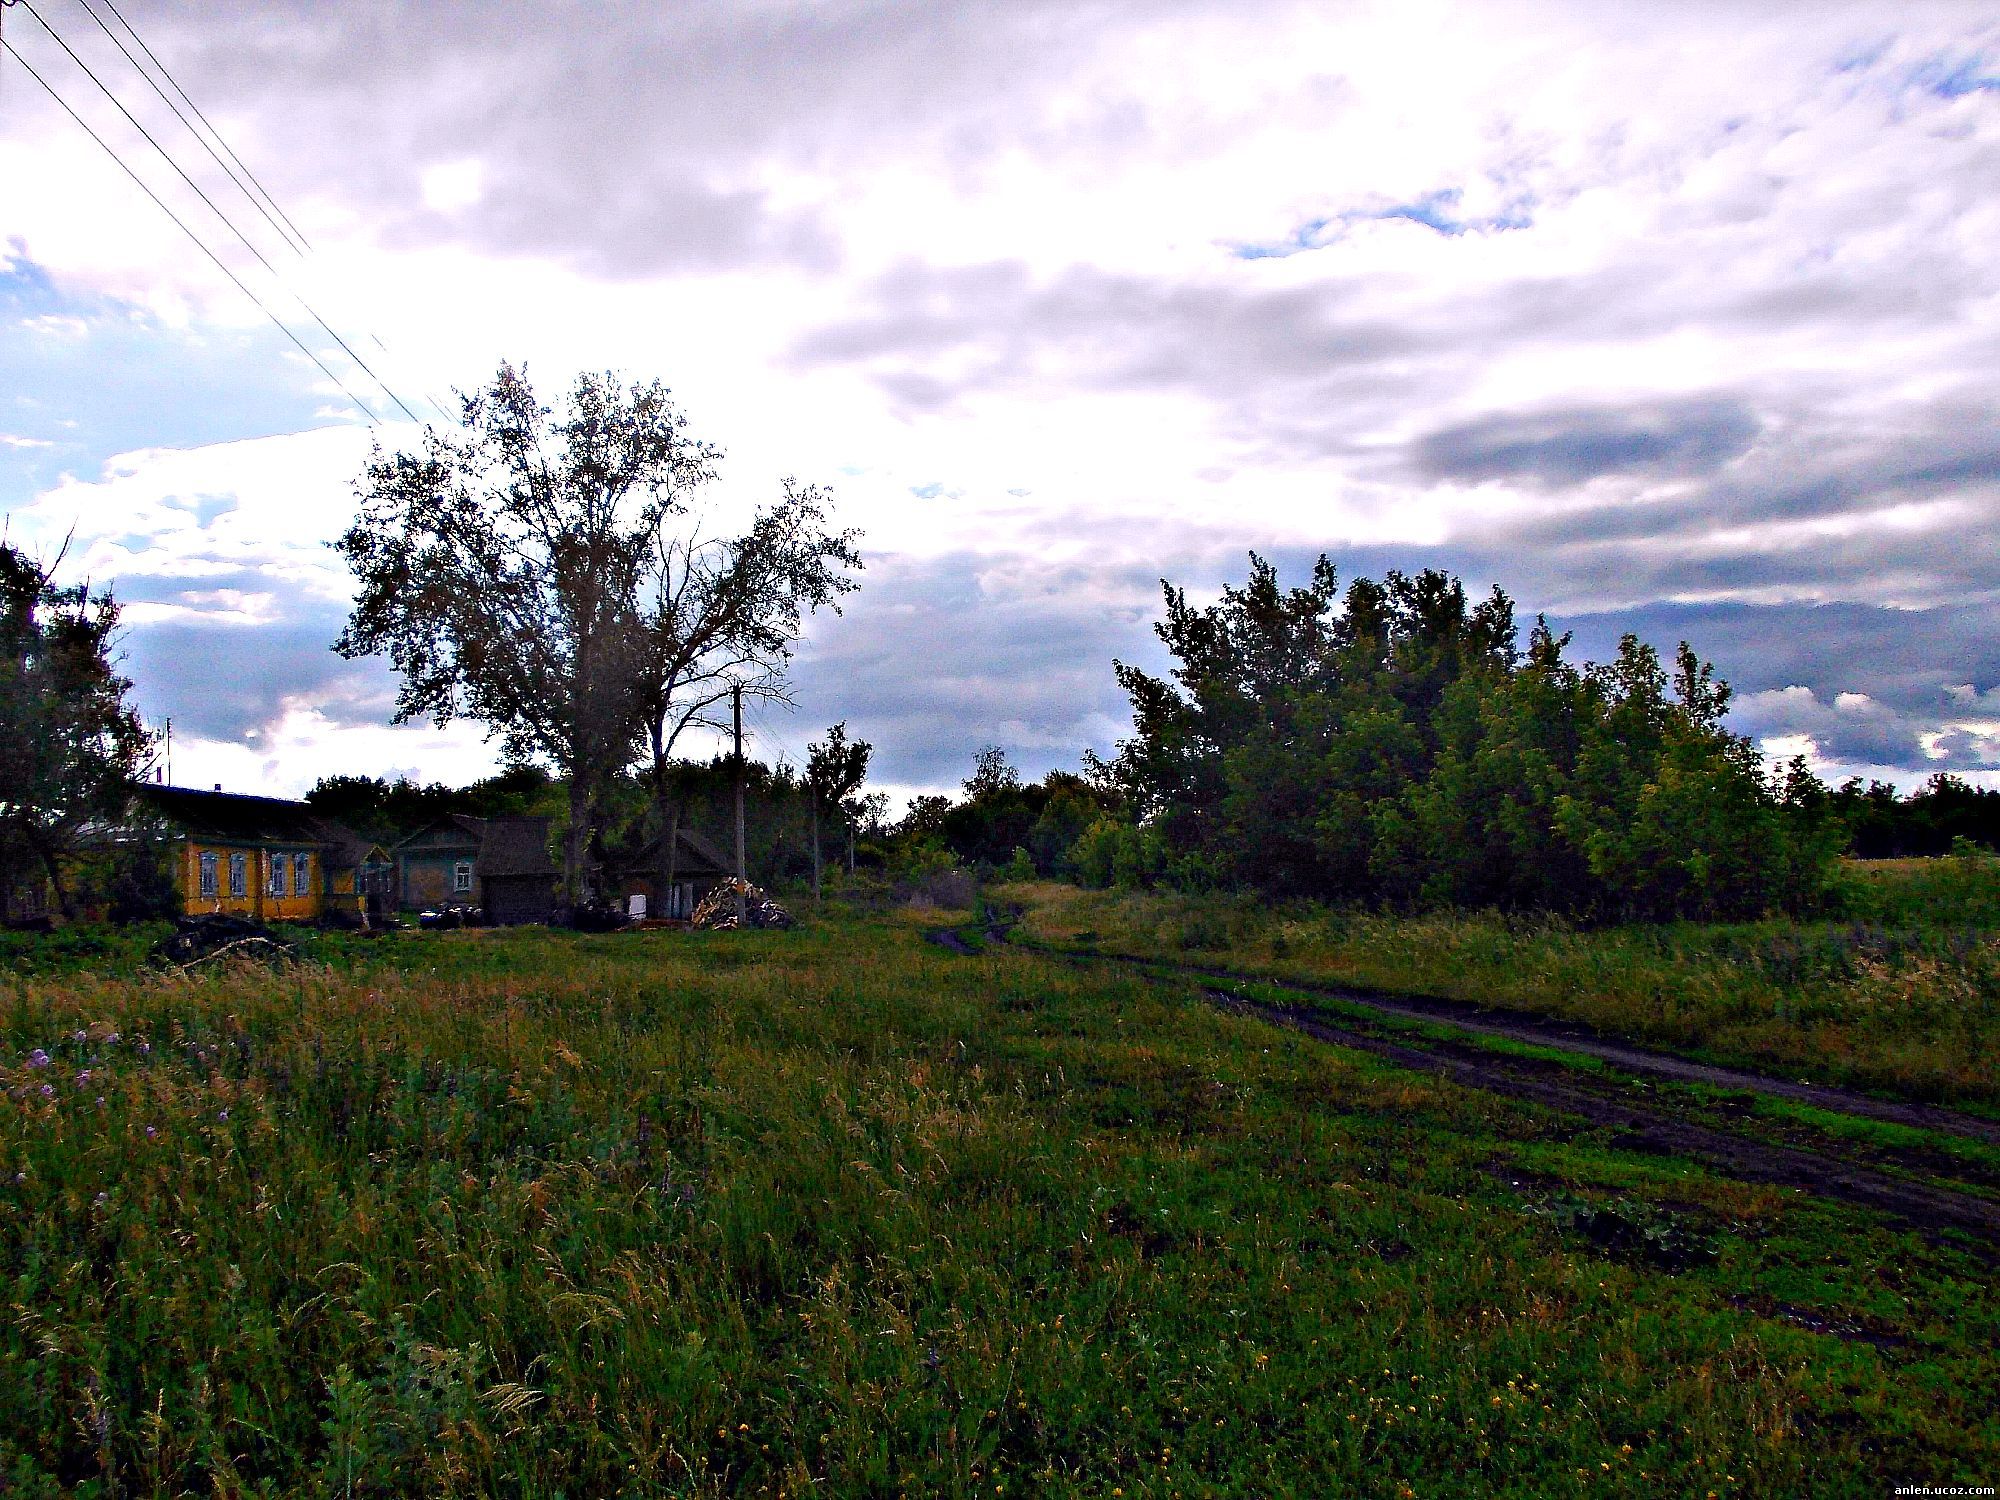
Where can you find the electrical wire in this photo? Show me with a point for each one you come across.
(179, 223)
(254, 180)
(228, 171)
(167, 157)
(111, 6)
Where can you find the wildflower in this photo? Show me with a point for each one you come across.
(102, 1199)
(80, 1036)
(145, 1049)
(152, 1131)
(100, 1101)
(48, 1091)
(83, 1078)
(222, 1114)
(111, 1040)
(38, 1058)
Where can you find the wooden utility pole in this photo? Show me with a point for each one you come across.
(742, 874)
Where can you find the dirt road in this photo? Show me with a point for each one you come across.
(1638, 1092)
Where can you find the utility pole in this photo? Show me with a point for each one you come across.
(742, 875)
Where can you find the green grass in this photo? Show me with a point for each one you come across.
(838, 1212)
(1911, 1009)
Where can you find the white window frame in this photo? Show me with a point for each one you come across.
(461, 878)
(239, 876)
(301, 874)
(210, 868)
(274, 878)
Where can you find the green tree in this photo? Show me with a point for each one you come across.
(70, 745)
(1395, 744)
(835, 769)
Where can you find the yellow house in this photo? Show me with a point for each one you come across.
(265, 858)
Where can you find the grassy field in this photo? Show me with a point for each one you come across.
(840, 1212)
(1900, 994)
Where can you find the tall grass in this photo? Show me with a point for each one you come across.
(835, 1212)
(1905, 997)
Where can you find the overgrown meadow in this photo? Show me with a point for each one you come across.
(838, 1211)
(1898, 989)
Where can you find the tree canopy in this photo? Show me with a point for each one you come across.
(70, 745)
(539, 572)
(1396, 742)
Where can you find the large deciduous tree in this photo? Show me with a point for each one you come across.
(70, 746)
(500, 571)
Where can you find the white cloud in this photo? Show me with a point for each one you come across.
(1621, 303)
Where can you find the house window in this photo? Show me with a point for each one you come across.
(208, 875)
(275, 885)
(301, 874)
(461, 876)
(239, 875)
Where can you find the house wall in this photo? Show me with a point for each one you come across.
(257, 901)
(427, 878)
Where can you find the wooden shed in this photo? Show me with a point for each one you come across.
(698, 868)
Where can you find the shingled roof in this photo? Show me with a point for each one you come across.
(517, 845)
(233, 818)
(695, 857)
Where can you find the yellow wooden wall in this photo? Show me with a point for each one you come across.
(257, 902)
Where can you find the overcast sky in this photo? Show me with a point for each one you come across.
(1683, 319)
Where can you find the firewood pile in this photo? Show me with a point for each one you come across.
(717, 911)
(219, 935)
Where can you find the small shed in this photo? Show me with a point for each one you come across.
(698, 868)
(517, 879)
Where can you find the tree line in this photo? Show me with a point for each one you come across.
(1395, 741)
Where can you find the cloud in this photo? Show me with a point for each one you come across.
(1659, 316)
(1569, 446)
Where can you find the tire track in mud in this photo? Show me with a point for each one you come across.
(1824, 1172)
(1574, 1037)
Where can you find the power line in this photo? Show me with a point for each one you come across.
(166, 73)
(199, 243)
(111, 6)
(167, 157)
(202, 140)
(102, 88)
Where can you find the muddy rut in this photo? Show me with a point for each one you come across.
(1829, 1168)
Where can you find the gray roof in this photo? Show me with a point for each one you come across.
(232, 818)
(515, 846)
(695, 857)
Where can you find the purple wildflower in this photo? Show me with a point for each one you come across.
(223, 1115)
(38, 1058)
(48, 1091)
(151, 1131)
(145, 1049)
(80, 1036)
(111, 1040)
(100, 1101)
(83, 1078)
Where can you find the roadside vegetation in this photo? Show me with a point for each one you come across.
(1902, 993)
(650, 1213)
